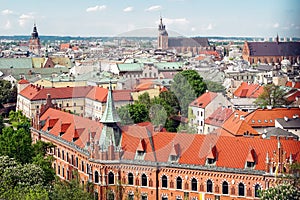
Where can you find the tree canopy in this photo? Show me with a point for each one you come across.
(8, 94)
(26, 170)
(272, 95)
(187, 86)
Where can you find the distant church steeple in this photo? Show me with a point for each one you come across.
(34, 41)
(162, 39)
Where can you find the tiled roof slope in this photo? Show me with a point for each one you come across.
(231, 152)
(204, 100)
(33, 92)
(100, 94)
(218, 117)
(246, 90)
(266, 117)
(59, 121)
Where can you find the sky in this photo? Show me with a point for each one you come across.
(255, 18)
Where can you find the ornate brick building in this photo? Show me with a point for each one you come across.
(180, 44)
(136, 162)
(34, 42)
(271, 52)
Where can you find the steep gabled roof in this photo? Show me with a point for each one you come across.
(204, 100)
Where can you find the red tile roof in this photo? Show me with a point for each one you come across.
(231, 152)
(293, 84)
(292, 96)
(218, 117)
(33, 92)
(100, 94)
(266, 117)
(246, 90)
(23, 81)
(236, 124)
(204, 100)
(71, 126)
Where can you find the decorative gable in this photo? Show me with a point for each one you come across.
(211, 157)
(174, 153)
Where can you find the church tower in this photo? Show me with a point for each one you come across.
(162, 39)
(34, 42)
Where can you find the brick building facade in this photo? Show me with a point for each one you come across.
(136, 162)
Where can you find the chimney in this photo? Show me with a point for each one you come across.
(286, 118)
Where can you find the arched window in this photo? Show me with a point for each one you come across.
(257, 188)
(209, 186)
(164, 181)
(194, 184)
(241, 189)
(96, 177)
(111, 178)
(224, 187)
(144, 180)
(179, 183)
(130, 179)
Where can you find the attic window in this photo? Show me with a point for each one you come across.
(210, 161)
(140, 153)
(266, 120)
(250, 164)
(253, 121)
(259, 121)
(173, 158)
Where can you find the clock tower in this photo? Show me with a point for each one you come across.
(162, 39)
(34, 42)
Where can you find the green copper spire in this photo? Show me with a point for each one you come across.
(110, 114)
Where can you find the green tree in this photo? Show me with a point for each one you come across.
(124, 115)
(158, 115)
(138, 113)
(8, 94)
(16, 144)
(19, 181)
(214, 86)
(144, 99)
(187, 86)
(281, 192)
(1, 124)
(69, 190)
(272, 95)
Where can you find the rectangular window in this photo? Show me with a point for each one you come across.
(63, 155)
(82, 166)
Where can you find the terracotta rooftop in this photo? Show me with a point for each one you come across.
(204, 100)
(218, 117)
(231, 152)
(23, 81)
(33, 92)
(266, 117)
(246, 90)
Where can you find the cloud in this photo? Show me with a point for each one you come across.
(276, 25)
(154, 8)
(180, 21)
(6, 12)
(128, 9)
(96, 8)
(24, 18)
(193, 29)
(7, 25)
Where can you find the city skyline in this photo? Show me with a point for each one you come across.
(140, 18)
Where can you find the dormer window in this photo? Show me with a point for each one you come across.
(174, 153)
(211, 158)
(140, 150)
(250, 164)
(210, 161)
(250, 160)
